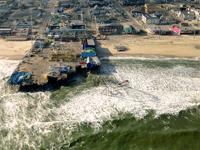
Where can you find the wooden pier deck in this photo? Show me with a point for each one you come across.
(39, 62)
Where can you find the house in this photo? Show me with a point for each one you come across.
(22, 29)
(188, 29)
(110, 29)
(21, 32)
(53, 27)
(100, 3)
(160, 1)
(65, 4)
(5, 31)
(77, 24)
(4, 12)
(3, 3)
(162, 30)
(189, 13)
(153, 19)
(136, 13)
(65, 34)
(91, 43)
(132, 2)
(129, 29)
(23, 24)
(169, 21)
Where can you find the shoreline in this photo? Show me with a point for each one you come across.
(133, 57)
(118, 57)
(148, 57)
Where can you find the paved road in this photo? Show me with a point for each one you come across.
(49, 9)
(134, 21)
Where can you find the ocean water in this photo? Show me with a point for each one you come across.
(132, 104)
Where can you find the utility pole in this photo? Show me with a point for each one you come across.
(194, 33)
(95, 18)
(41, 4)
(31, 27)
(81, 15)
(19, 3)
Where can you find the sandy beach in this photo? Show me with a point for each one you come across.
(168, 46)
(147, 46)
(14, 50)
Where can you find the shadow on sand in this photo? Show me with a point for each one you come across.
(101, 51)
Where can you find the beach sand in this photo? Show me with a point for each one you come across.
(169, 46)
(147, 46)
(14, 50)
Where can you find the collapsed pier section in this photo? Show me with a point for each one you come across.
(52, 62)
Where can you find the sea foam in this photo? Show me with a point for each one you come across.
(164, 90)
(27, 116)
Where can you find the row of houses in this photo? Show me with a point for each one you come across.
(4, 12)
(118, 29)
(107, 13)
(3, 3)
(72, 31)
(142, 2)
(132, 2)
(187, 13)
(175, 29)
(14, 31)
(155, 18)
(22, 29)
(167, 16)
(100, 3)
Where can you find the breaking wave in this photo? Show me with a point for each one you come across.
(32, 120)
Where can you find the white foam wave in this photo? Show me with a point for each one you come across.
(26, 116)
(162, 90)
(151, 57)
(7, 67)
